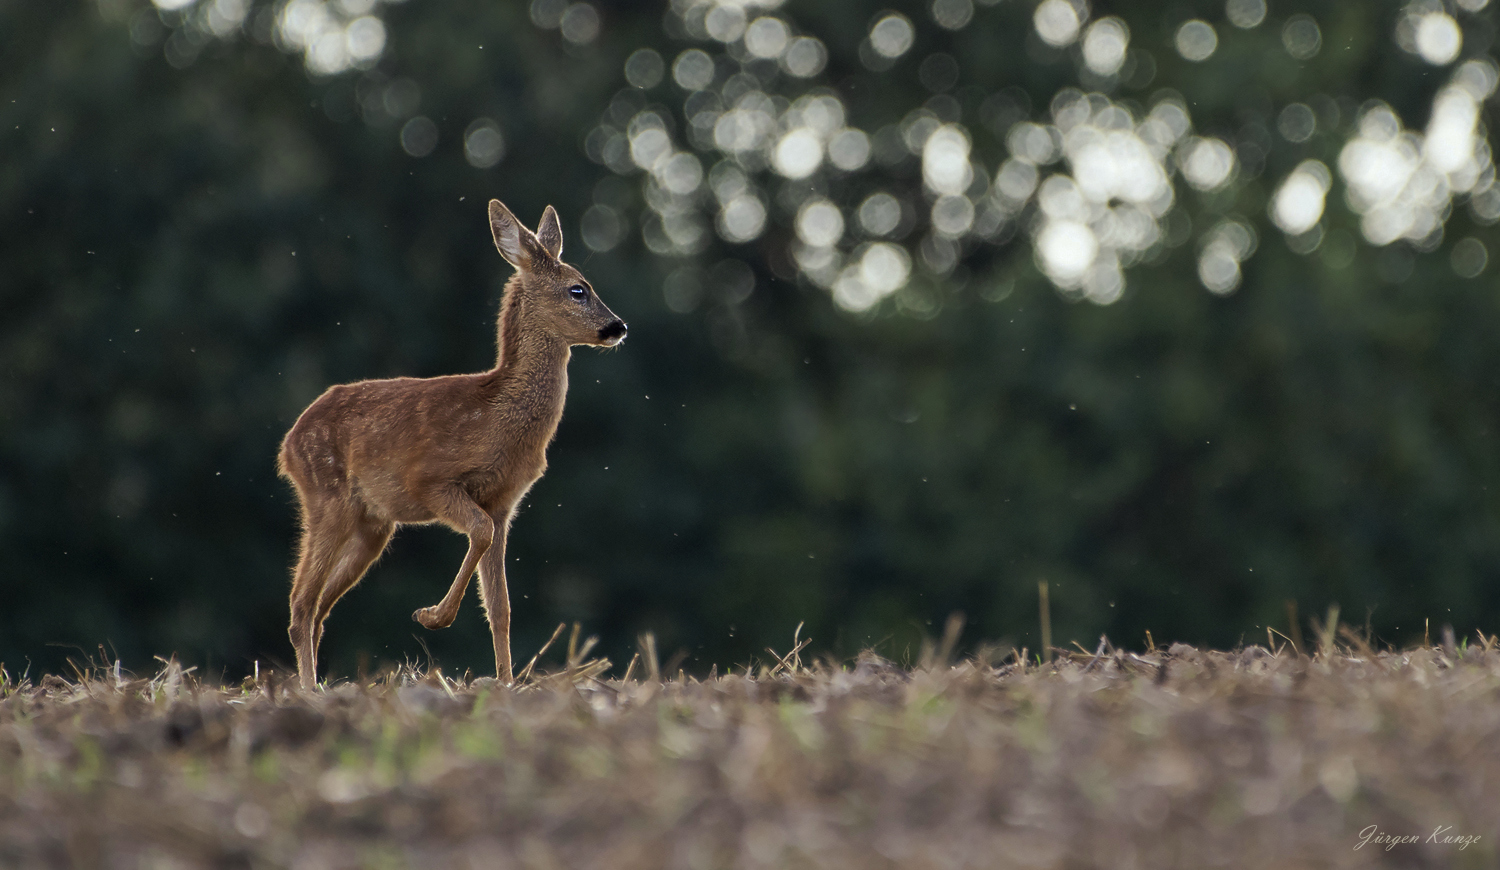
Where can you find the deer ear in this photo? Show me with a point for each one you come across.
(510, 237)
(549, 233)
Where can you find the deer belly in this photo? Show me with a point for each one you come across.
(388, 499)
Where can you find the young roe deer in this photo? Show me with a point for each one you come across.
(459, 450)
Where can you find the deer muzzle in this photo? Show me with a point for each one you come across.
(613, 333)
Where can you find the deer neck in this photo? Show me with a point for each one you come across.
(532, 368)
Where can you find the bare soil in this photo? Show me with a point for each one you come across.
(1178, 758)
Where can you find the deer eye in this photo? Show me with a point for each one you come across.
(578, 292)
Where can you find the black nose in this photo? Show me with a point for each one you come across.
(613, 331)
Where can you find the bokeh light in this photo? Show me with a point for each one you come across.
(798, 154)
(938, 72)
(1015, 182)
(693, 70)
(876, 271)
(1297, 123)
(1066, 250)
(602, 227)
(1245, 14)
(1106, 214)
(1219, 269)
(1438, 38)
(224, 17)
(892, 36)
(1090, 181)
(644, 68)
(419, 136)
(333, 37)
(1302, 37)
(1225, 247)
(1468, 257)
(680, 174)
(742, 219)
(952, 14)
(1297, 205)
(1034, 143)
(1402, 183)
(1105, 45)
(1196, 40)
(1057, 22)
(364, 38)
(548, 14)
(1206, 163)
(580, 23)
(805, 57)
(725, 21)
(952, 216)
(849, 149)
(767, 37)
(945, 160)
(484, 144)
(880, 214)
(820, 224)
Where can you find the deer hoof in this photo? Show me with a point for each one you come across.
(428, 618)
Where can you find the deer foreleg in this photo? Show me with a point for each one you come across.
(463, 514)
(496, 600)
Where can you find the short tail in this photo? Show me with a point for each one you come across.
(281, 462)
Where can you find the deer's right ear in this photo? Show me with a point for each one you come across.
(510, 236)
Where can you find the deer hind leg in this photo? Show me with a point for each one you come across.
(364, 546)
(458, 510)
(496, 599)
(326, 533)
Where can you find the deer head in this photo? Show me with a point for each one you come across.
(555, 296)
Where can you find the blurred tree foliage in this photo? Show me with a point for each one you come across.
(198, 235)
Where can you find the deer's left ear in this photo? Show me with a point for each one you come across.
(549, 233)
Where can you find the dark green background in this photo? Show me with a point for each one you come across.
(190, 256)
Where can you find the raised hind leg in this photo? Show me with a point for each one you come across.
(458, 510)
